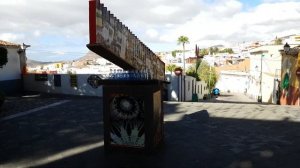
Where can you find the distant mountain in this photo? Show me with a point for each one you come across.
(34, 63)
(88, 56)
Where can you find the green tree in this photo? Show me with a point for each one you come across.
(208, 74)
(174, 53)
(227, 50)
(171, 68)
(278, 41)
(183, 40)
(194, 70)
(211, 50)
(215, 50)
(203, 52)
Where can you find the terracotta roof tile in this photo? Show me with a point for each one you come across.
(8, 44)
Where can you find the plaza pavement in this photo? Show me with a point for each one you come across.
(229, 131)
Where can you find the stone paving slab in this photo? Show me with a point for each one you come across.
(20, 103)
(197, 134)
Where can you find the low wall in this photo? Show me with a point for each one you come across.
(10, 87)
(61, 84)
(178, 91)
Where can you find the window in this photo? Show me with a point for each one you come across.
(201, 89)
(57, 80)
(41, 77)
(73, 80)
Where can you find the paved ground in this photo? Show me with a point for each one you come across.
(229, 131)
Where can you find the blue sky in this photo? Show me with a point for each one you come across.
(58, 29)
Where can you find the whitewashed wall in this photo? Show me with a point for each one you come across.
(190, 83)
(201, 89)
(176, 88)
(83, 88)
(235, 82)
(11, 71)
(267, 58)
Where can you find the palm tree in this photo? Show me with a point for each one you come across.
(183, 40)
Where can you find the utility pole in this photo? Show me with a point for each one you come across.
(260, 80)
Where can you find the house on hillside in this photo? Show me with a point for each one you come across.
(11, 72)
(293, 39)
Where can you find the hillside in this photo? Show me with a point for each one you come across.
(88, 56)
(34, 63)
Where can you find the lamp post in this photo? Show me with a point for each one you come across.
(178, 73)
(209, 78)
(259, 99)
(286, 48)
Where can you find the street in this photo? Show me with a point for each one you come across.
(229, 131)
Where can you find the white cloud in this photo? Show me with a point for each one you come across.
(266, 21)
(165, 10)
(37, 33)
(11, 36)
(59, 52)
(152, 33)
(63, 24)
(11, 2)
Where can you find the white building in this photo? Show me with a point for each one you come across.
(265, 65)
(10, 74)
(291, 39)
(177, 60)
(233, 81)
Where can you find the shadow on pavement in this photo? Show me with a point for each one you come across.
(228, 98)
(231, 102)
(202, 141)
(195, 140)
(49, 134)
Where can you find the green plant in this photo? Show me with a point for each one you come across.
(208, 74)
(193, 70)
(171, 68)
(2, 98)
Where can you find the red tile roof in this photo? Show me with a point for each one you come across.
(8, 44)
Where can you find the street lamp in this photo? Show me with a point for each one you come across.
(209, 81)
(286, 48)
(261, 53)
(178, 73)
(290, 51)
(259, 98)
